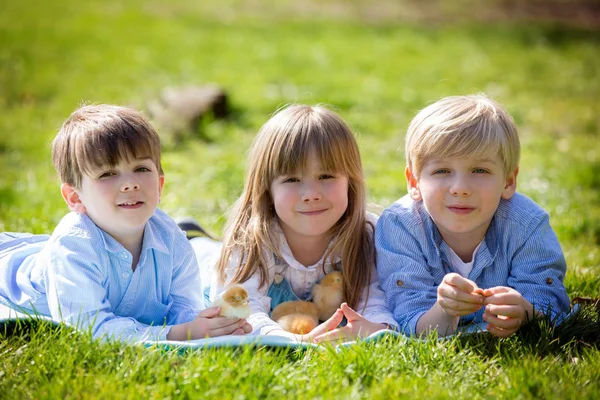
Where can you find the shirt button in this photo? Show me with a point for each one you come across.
(399, 282)
(549, 281)
(125, 275)
(124, 255)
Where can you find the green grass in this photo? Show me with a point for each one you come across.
(377, 74)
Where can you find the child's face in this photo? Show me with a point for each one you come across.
(310, 202)
(120, 199)
(462, 194)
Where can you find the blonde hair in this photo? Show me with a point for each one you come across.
(282, 147)
(459, 126)
(98, 135)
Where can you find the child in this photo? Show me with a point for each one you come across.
(115, 263)
(302, 215)
(462, 246)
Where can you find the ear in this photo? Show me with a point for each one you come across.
(510, 186)
(413, 185)
(71, 196)
(161, 183)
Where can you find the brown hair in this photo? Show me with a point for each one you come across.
(98, 135)
(282, 147)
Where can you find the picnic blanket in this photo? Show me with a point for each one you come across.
(257, 341)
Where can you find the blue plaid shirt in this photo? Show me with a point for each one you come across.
(520, 250)
(83, 276)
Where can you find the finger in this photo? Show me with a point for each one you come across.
(247, 328)
(334, 320)
(456, 308)
(499, 332)
(224, 322)
(224, 330)
(454, 293)
(496, 290)
(464, 284)
(331, 336)
(350, 314)
(502, 323)
(505, 310)
(329, 325)
(209, 312)
(508, 298)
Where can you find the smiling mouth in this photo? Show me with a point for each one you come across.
(461, 210)
(131, 204)
(315, 212)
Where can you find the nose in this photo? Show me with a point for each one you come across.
(129, 183)
(311, 193)
(460, 186)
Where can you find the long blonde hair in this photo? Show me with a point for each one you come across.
(282, 147)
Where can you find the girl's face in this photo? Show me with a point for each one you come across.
(310, 202)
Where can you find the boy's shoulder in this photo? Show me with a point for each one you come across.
(76, 225)
(405, 210)
(164, 229)
(520, 209)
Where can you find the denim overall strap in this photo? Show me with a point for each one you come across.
(280, 290)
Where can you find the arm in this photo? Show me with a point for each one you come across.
(260, 303)
(186, 291)
(538, 270)
(77, 284)
(409, 284)
(186, 287)
(534, 285)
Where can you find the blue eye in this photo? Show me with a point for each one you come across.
(480, 171)
(441, 171)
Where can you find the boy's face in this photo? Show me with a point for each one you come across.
(119, 199)
(462, 194)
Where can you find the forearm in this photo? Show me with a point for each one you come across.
(437, 319)
(180, 332)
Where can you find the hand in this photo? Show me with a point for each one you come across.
(209, 324)
(329, 325)
(357, 326)
(505, 310)
(459, 296)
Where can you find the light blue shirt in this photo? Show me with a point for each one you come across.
(83, 276)
(520, 250)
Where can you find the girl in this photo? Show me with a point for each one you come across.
(302, 215)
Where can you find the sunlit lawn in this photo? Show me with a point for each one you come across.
(377, 75)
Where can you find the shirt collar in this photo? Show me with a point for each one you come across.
(152, 240)
(489, 247)
(286, 252)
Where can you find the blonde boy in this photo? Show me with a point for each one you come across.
(116, 263)
(462, 246)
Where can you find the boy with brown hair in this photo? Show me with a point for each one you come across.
(116, 263)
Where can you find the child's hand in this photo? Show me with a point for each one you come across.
(459, 296)
(209, 324)
(505, 310)
(357, 326)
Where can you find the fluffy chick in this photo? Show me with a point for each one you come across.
(328, 294)
(296, 316)
(234, 302)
